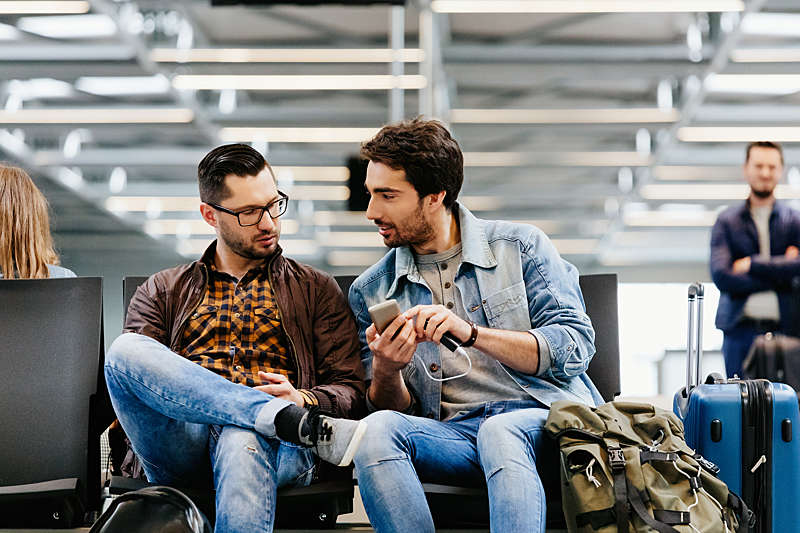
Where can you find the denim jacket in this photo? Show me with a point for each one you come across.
(511, 277)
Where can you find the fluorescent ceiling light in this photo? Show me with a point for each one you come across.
(771, 24)
(309, 173)
(670, 218)
(35, 7)
(352, 239)
(344, 258)
(481, 203)
(693, 172)
(586, 159)
(341, 218)
(709, 191)
(315, 192)
(286, 55)
(9, 33)
(585, 6)
(786, 134)
(575, 246)
(123, 85)
(298, 135)
(320, 82)
(753, 83)
(766, 55)
(125, 204)
(147, 115)
(70, 26)
(38, 88)
(562, 116)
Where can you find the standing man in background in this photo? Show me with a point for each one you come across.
(754, 259)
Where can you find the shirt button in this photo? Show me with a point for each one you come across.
(447, 285)
(434, 367)
(449, 305)
(444, 266)
(237, 315)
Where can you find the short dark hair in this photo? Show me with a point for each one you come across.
(425, 150)
(763, 144)
(237, 159)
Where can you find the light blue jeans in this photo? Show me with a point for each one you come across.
(191, 427)
(501, 443)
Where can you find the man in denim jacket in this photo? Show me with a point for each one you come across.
(503, 291)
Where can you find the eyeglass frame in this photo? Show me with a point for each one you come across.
(264, 209)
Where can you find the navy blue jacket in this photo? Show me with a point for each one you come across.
(735, 236)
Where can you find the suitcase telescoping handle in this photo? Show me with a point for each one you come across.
(694, 337)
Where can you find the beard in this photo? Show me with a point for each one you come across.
(414, 230)
(764, 193)
(244, 246)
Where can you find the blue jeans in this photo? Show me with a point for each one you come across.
(191, 427)
(498, 443)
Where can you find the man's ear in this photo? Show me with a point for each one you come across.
(209, 214)
(435, 200)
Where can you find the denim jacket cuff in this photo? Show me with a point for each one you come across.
(545, 359)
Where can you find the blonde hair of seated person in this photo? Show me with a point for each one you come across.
(26, 246)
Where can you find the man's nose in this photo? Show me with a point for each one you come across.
(266, 223)
(371, 210)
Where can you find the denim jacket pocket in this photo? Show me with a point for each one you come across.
(508, 308)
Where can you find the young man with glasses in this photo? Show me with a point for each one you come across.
(227, 363)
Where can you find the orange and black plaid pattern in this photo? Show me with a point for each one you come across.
(236, 330)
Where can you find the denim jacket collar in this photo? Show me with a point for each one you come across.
(475, 250)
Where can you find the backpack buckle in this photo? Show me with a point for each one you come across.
(708, 465)
(616, 459)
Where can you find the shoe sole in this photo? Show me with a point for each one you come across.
(352, 446)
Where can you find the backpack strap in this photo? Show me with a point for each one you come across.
(616, 458)
(596, 519)
(747, 519)
(637, 504)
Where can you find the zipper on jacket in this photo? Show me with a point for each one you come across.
(280, 315)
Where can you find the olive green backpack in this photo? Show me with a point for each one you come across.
(626, 467)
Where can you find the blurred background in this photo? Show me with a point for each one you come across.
(616, 126)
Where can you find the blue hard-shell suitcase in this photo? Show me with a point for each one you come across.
(748, 428)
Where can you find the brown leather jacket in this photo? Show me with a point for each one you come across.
(316, 318)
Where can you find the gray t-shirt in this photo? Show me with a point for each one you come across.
(487, 381)
(762, 305)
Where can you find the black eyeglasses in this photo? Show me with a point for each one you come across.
(252, 215)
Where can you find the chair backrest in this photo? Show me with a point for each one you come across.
(50, 368)
(600, 295)
(129, 286)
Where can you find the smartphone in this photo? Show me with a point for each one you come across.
(384, 313)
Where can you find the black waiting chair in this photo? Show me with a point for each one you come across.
(315, 506)
(468, 507)
(51, 358)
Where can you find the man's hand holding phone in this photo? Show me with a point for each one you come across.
(391, 337)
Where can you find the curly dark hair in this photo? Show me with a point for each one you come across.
(237, 159)
(425, 151)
